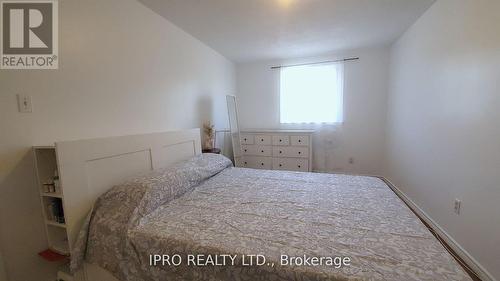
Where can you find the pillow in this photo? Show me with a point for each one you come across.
(122, 207)
(167, 184)
(147, 192)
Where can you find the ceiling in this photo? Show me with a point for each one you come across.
(248, 30)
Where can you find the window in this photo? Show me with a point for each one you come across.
(312, 94)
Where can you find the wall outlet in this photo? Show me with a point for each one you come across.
(24, 103)
(457, 206)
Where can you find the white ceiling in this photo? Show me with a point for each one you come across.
(246, 30)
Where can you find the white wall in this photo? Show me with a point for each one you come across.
(443, 137)
(365, 90)
(123, 70)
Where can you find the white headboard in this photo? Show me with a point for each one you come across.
(90, 167)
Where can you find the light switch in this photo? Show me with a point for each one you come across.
(24, 103)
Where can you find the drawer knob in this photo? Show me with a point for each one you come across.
(300, 152)
(262, 164)
(281, 151)
(262, 151)
(281, 165)
(280, 140)
(261, 139)
(245, 150)
(246, 163)
(298, 166)
(300, 141)
(245, 139)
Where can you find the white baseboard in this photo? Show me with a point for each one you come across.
(461, 252)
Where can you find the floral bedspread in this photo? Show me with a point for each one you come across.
(205, 220)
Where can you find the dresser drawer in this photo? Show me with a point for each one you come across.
(291, 151)
(281, 140)
(247, 139)
(257, 162)
(263, 139)
(291, 164)
(299, 140)
(257, 150)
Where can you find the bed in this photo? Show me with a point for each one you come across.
(354, 227)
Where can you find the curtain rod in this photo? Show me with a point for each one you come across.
(311, 63)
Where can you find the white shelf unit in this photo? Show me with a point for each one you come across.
(45, 168)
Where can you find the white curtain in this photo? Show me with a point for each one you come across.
(312, 94)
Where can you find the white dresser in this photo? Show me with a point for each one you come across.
(276, 150)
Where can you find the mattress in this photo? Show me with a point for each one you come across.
(211, 221)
